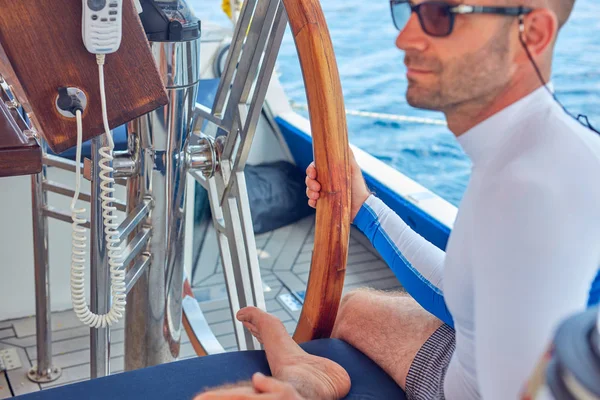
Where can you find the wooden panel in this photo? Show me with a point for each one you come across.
(18, 154)
(42, 42)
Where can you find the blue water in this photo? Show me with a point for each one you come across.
(373, 79)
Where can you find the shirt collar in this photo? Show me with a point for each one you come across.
(481, 141)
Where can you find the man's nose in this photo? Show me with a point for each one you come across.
(412, 36)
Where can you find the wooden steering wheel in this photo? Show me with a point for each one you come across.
(331, 155)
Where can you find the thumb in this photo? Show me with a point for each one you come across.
(354, 167)
(267, 384)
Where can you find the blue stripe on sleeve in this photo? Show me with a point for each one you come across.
(424, 292)
(594, 295)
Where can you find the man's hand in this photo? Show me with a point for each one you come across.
(263, 388)
(360, 191)
(279, 390)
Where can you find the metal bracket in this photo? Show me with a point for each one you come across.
(235, 114)
(7, 96)
(125, 164)
(203, 156)
(45, 376)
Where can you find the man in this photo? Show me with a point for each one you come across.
(524, 249)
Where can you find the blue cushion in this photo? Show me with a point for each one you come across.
(183, 379)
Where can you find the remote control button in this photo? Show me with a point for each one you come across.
(113, 5)
(112, 13)
(113, 19)
(94, 17)
(103, 29)
(103, 19)
(96, 5)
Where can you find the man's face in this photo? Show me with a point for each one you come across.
(470, 66)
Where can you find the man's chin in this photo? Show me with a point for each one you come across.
(422, 99)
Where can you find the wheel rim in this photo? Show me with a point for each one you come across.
(330, 147)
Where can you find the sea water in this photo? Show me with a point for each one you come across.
(373, 79)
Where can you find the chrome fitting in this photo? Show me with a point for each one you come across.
(203, 156)
(49, 375)
(125, 165)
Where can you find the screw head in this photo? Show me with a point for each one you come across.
(12, 104)
(31, 133)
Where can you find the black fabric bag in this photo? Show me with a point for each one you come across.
(277, 195)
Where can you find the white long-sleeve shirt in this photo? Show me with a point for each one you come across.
(524, 250)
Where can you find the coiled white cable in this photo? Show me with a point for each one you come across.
(117, 272)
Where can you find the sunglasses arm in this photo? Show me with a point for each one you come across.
(512, 11)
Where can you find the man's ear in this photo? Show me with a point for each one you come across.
(538, 31)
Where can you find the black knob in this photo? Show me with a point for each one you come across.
(68, 102)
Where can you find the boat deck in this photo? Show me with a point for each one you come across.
(284, 256)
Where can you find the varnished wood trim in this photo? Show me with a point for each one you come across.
(330, 146)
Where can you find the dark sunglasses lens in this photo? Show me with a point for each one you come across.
(400, 13)
(436, 18)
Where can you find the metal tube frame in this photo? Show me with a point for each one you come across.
(154, 305)
(100, 276)
(155, 162)
(52, 212)
(99, 271)
(235, 112)
(252, 59)
(44, 371)
(58, 188)
(137, 270)
(133, 219)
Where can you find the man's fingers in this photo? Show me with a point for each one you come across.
(312, 184)
(311, 171)
(312, 195)
(267, 384)
(312, 203)
(233, 394)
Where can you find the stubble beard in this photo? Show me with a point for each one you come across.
(474, 78)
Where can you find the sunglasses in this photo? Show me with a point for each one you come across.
(437, 18)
